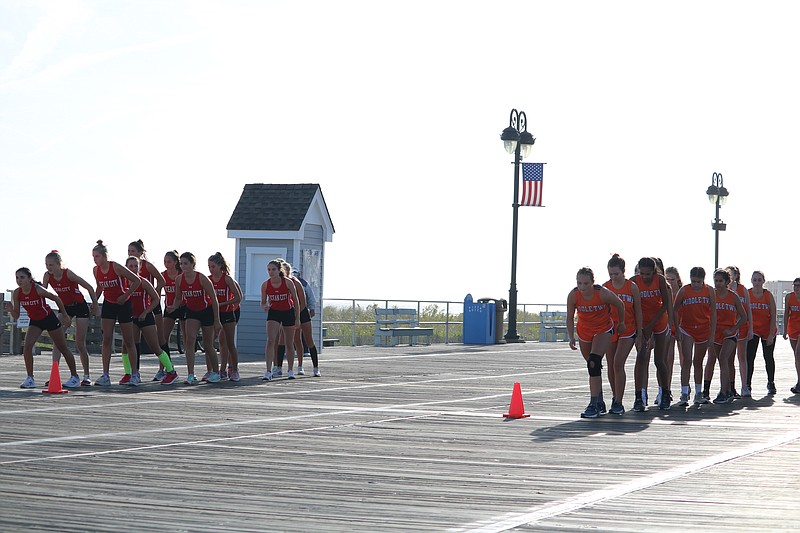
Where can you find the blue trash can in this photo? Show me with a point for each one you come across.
(479, 322)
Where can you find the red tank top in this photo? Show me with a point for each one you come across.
(726, 311)
(169, 287)
(279, 297)
(140, 300)
(793, 322)
(112, 285)
(695, 308)
(740, 292)
(144, 272)
(67, 290)
(194, 294)
(223, 292)
(624, 293)
(759, 307)
(33, 304)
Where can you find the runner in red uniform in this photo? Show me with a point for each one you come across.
(29, 295)
(172, 269)
(144, 300)
(148, 271)
(621, 344)
(304, 328)
(729, 309)
(656, 316)
(674, 283)
(278, 297)
(202, 311)
(696, 315)
(67, 285)
(593, 304)
(116, 283)
(764, 312)
(228, 297)
(791, 326)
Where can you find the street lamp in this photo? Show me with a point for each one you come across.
(717, 195)
(518, 141)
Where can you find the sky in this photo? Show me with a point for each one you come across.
(144, 120)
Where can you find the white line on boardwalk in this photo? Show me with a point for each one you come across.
(536, 514)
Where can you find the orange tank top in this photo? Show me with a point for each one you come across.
(793, 322)
(593, 314)
(759, 307)
(651, 302)
(726, 311)
(696, 308)
(624, 293)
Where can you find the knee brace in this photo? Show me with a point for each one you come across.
(595, 365)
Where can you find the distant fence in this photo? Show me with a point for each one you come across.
(352, 321)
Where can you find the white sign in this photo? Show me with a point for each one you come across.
(24, 320)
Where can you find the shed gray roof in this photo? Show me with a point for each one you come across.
(274, 206)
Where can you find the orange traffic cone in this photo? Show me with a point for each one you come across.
(516, 409)
(54, 386)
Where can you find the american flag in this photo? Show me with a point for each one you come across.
(532, 177)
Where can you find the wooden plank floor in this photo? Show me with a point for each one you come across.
(393, 439)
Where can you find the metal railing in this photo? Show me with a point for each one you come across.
(353, 320)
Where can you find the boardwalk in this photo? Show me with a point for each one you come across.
(393, 439)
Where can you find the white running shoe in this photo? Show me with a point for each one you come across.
(136, 379)
(73, 382)
(300, 371)
(290, 374)
(29, 383)
(160, 375)
(316, 373)
(104, 381)
(267, 376)
(276, 371)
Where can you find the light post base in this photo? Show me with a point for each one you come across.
(514, 338)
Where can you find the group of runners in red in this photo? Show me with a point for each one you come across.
(132, 298)
(654, 312)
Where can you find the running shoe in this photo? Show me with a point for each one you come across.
(170, 378)
(160, 375)
(306, 354)
(276, 371)
(267, 376)
(190, 380)
(795, 389)
(290, 374)
(735, 394)
(666, 401)
(700, 399)
(638, 405)
(616, 408)
(29, 383)
(214, 377)
(590, 412)
(707, 395)
(73, 382)
(684, 401)
(658, 399)
(771, 388)
(234, 375)
(86, 381)
(205, 376)
(300, 371)
(746, 392)
(136, 379)
(721, 398)
(104, 381)
(124, 380)
(223, 376)
(601, 408)
(316, 373)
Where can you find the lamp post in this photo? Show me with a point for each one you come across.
(518, 141)
(717, 195)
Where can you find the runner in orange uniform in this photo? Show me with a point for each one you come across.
(696, 315)
(764, 312)
(621, 344)
(656, 316)
(791, 326)
(729, 308)
(593, 303)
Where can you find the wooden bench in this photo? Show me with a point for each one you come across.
(392, 324)
(553, 326)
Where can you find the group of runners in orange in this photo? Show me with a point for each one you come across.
(654, 312)
(132, 296)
